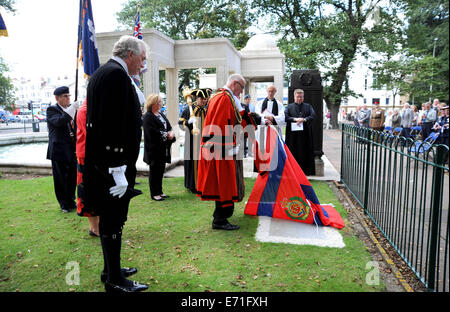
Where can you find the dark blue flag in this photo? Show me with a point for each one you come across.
(3, 30)
(87, 43)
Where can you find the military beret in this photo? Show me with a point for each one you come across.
(61, 90)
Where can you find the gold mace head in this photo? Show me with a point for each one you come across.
(187, 94)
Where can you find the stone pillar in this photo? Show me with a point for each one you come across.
(221, 76)
(278, 83)
(172, 107)
(151, 78)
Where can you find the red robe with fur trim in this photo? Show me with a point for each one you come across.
(217, 168)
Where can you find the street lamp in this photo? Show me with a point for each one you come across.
(432, 68)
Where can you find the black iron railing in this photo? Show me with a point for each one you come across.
(403, 186)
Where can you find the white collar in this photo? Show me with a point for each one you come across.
(121, 62)
(124, 65)
(236, 99)
(64, 109)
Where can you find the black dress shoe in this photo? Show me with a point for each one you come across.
(125, 272)
(157, 199)
(135, 287)
(65, 210)
(227, 226)
(93, 234)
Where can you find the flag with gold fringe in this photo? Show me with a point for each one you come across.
(87, 43)
(3, 30)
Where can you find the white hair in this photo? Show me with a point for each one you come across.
(126, 44)
(233, 78)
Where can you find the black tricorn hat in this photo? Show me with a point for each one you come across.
(202, 93)
(61, 90)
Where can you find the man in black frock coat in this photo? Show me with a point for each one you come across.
(192, 141)
(113, 135)
(300, 115)
(61, 149)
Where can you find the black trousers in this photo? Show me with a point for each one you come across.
(155, 177)
(222, 212)
(406, 132)
(426, 130)
(65, 183)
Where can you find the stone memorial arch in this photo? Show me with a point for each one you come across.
(259, 61)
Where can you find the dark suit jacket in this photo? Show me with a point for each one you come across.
(113, 130)
(156, 144)
(61, 135)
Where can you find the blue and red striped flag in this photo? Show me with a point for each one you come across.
(283, 191)
(3, 30)
(138, 34)
(137, 26)
(87, 43)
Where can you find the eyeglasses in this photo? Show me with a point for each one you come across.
(242, 87)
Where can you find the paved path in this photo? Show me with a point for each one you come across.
(332, 147)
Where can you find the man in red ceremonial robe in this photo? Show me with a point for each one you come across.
(220, 171)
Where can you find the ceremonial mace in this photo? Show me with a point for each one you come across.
(187, 94)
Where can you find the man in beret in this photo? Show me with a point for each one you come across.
(61, 148)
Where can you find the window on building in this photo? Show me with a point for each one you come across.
(365, 101)
(387, 101)
(375, 101)
(365, 83)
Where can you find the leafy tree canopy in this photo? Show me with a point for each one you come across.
(7, 96)
(8, 5)
(328, 35)
(193, 19)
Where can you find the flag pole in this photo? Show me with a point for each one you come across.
(78, 50)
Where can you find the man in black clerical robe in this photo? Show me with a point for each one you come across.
(299, 133)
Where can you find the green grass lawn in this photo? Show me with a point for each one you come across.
(170, 242)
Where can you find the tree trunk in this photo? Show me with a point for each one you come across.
(334, 110)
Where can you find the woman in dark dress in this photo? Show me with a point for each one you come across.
(158, 139)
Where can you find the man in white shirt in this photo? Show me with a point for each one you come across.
(272, 113)
(271, 110)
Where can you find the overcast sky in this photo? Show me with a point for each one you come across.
(42, 39)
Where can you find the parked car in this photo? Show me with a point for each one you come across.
(12, 118)
(40, 118)
(24, 118)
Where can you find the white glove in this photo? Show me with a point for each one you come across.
(192, 120)
(72, 109)
(118, 174)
